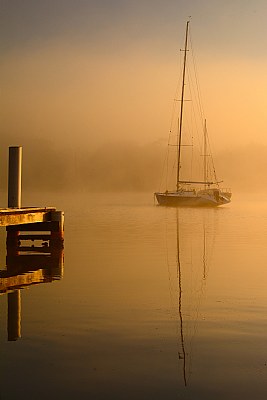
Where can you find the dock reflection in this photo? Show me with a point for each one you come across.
(31, 258)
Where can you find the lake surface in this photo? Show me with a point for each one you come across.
(154, 303)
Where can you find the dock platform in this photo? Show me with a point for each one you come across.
(25, 215)
(34, 244)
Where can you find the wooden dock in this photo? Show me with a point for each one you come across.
(34, 244)
(25, 215)
(19, 219)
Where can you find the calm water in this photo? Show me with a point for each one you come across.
(154, 303)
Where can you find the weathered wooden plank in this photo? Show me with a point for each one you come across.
(35, 249)
(36, 227)
(20, 264)
(22, 210)
(25, 215)
(19, 281)
(44, 236)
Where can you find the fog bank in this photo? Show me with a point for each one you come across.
(124, 166)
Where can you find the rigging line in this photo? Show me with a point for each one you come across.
(172, 125)
(192, 157)
(200, 103)
(196, 76)
(167, 166)
(190, 137)
(173, 167)
(173, 114)
(194, 160)
(191, 123)
(194, 113)
(167, 159)
(193, 83)
(177, 142)
(210, 168)
(192, 94)
(176, 96)
(163, 169)
(200, 100)
(212, 160)
(211, 157)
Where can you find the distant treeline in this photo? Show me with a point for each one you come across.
(113, 167)
(123, 166)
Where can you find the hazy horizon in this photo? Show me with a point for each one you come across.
(80, 79)
(125, 166)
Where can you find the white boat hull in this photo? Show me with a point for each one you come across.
(190, 199)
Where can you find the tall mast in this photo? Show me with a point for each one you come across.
(181, 109)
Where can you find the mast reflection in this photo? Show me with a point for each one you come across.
(31, 259)
(179, 277)
(189, 259)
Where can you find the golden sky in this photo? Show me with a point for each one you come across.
(88, 72)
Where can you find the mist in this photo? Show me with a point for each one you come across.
(101, 122)
(124, 166)
(89, 95)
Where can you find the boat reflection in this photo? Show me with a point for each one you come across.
(31, 259)
(182, 354)
(188, 272)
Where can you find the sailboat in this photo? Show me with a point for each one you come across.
(193, 193)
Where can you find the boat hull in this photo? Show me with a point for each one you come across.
(183, 200)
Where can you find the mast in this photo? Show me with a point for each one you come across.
(181, 109)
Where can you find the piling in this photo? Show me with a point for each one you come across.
(57, 229)
(14, 201)
(14, 176)
(14, 188)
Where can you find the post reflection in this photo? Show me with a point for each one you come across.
(13, 315)
(32, 258)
